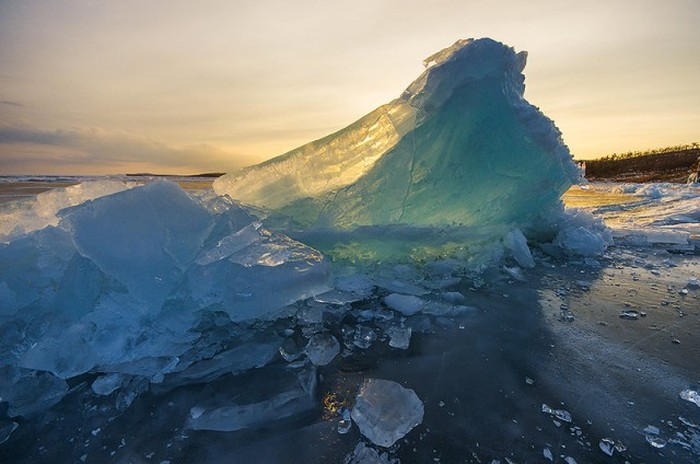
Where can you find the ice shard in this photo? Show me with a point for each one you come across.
(460, 146)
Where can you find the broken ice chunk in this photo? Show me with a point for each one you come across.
(106, 384)
(560, 414)
(385, 411)
(133, 388)
(651, 430)
(630, 314)
(548, 454)
(453, 297)
(6, 429)
(363, 454)
(516, 242)
(58, 354)
(656, 442)
(607, 446)
(289, 350)
(240, 284)
(28, 391)
(691, 395)
(358, 284)
(405, 304)
(515, 273)
(265, 397)
(143, 237)
(345, 422)
(399, 337)
(322, 348)
(364, 336)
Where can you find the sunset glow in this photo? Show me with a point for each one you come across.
(173, 87)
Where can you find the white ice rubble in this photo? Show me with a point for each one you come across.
(655, 215)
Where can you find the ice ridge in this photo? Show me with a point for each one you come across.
(461, 146)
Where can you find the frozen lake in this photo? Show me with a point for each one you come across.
(577, 359)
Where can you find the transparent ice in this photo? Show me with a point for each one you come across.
(322, 348)
(385, 411)
(459, 148)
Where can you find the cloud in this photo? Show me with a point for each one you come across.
(99, 148)
(10, 103)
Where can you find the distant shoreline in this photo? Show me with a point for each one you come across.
(147, 174)
(672, 166)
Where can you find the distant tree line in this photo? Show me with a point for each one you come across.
(651, 151)
(668, 164)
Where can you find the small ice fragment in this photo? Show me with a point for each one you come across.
(656, 442)
(515, 273)
(687, 422)
(285, 394)
(529, 381)
(322, 348)
(28, 392)
(405, 304)
(693, 283)
(6, 429)
(453, 297)
(560, 414)
(569, 460)
(607, 446)
(345, 422)
(399, 337)
(385, 411)
(630, 314)
(516, 242)
(106, 384)
(363, 454)
(651, 430)
(548, 454)
(683, 291)
(130, 391)
(364, 336)
(691, 395)
(289, 350)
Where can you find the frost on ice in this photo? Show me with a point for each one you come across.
(459, 147)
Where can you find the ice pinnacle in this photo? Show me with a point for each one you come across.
(460, 146)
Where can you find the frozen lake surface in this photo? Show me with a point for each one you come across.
(576, 359)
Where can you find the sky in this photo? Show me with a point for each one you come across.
(94, 87)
